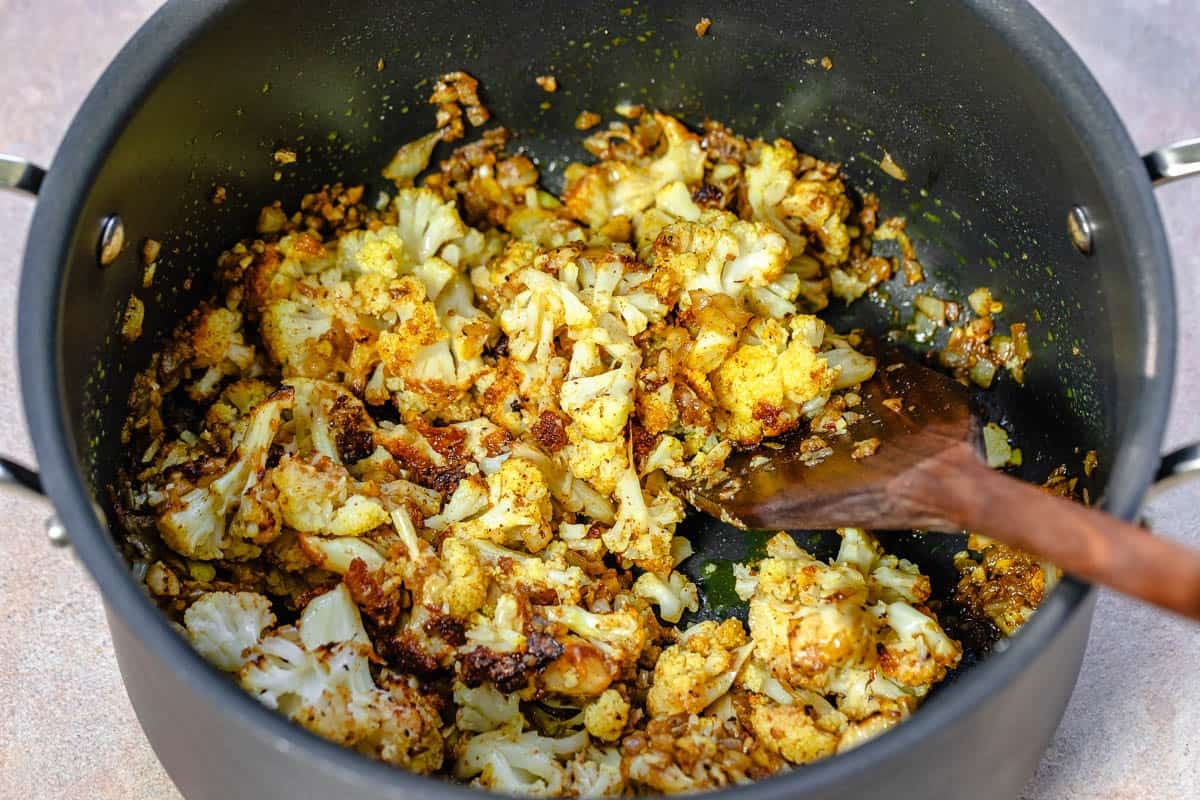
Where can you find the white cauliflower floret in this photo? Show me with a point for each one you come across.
(692, 675)
(424, 223)
(889, 578)
(511, 762)
(485, 708)
(672, 596)
(222, 626)
(535, 314)
(598, 398)
(336, 554)
(470, 498)
(320, 677)
(596, 772)
(503, 631)
(194, 520)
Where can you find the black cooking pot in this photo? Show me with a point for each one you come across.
(1003, 132)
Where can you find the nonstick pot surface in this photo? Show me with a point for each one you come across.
(1000, 130)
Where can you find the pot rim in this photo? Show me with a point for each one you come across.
(130, 78)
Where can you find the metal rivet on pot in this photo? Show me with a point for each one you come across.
(57, 533)
(1079, 226)
(112, 239)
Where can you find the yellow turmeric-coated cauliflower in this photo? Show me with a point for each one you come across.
(449, 434)
(694, 674)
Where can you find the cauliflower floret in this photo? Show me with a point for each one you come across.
(519, 509)
(615, 189)
(424, 222)
(693, 674)
(605, 717)
(765, 384)
(919, 652)
(721, 254)
(596, 772)
(320, 497)
(802, 208)
(513, 762)
(485, 708)
(469, 499)
(790, 731)
(338, 553)
(222, 626)
(808, 619)
(546, 570)
(672, 596)
(467, 586)
(889, 578)
(319, 676)
(620, 634)
(296, 335)
(218, 348)
(194, 519)
(600, 463)
(644, 527)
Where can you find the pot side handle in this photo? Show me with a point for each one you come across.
(1167, 165)
(1173, 162)
(19, 175)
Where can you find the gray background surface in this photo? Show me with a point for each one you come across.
(66, 728)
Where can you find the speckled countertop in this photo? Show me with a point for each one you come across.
(66, 728)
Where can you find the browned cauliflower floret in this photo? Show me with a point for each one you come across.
(519, 508)
(693, 674)
(827, 629)
(606, 716)
(790, 731)
(195, 520)
(319, 496)
(219, 349)
(1004, 585)
(766, 386)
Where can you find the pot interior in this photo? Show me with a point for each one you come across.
(994, 156)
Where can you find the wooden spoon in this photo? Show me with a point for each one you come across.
(928, 474)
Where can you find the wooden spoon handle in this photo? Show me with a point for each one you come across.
(1083, 541)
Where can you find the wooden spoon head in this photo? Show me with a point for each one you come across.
(924, 424)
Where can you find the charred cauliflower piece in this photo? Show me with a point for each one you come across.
(318, 674)
(227, 517)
